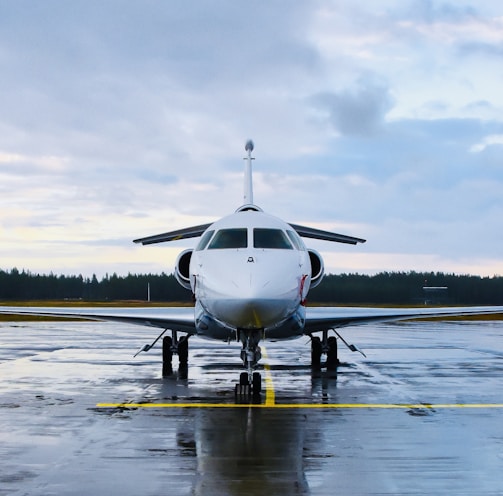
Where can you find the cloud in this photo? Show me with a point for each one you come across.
(491, 140)
(122, 119)
(359, 110)
(429, 12)
(18, 163)
(480, 48)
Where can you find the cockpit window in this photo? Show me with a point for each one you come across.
(296, 240)
(271, 238)
(229, 238)
(205, 239)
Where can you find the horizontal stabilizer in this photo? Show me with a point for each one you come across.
(188, 232)
(309, 232)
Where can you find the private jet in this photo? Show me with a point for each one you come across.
(250, 274)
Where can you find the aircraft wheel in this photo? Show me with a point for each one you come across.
(243, 389)
(243, 379)
(256, 383)
(316, 351)
(167, 356)
(332, 358)
(183, 351)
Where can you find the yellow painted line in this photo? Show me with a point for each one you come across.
(270, 396)
(270, 402)
(305, 405)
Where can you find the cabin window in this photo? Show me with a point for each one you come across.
(205, 239)
(271, 238)
(229, 238)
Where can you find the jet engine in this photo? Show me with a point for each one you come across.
(182, 268)
(317, 267)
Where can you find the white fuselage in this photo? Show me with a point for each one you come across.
(250, 271)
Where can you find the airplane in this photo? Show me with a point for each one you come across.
(250, 274)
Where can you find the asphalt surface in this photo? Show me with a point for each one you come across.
(422, 414)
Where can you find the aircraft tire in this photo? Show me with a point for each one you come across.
(257, 383)
(243, 379)
(183, 351)
(316, 351)
(167, 356)
(332, 358)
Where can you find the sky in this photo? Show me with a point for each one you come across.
(379, 119)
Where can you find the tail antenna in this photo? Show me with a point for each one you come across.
(248, 190)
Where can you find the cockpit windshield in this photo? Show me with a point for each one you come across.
(271, 238)
(296, 240)
(205, 239)
(229, 238)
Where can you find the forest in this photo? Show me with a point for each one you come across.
(384, 288)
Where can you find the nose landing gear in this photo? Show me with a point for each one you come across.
(247, 388)
(250, 382)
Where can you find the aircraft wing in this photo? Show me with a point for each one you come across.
(195, 231)
(310, 232)
(175, 318)
(321, 318)
(182, 318)
(187, 232)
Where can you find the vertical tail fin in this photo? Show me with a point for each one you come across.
(248, 189)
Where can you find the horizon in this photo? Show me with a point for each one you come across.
(105, 275)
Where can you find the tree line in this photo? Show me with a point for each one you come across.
(24, 285)
(382, 288)
(409, 287)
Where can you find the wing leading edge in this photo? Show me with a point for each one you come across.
(195, 231)
(175, 318)
(322, 318)
(310, 232)
(188, 232)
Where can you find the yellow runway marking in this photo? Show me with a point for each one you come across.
(305, 405)
(270, 402)
(270, 397)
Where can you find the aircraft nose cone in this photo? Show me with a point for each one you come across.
(258, 301)
(251, 289)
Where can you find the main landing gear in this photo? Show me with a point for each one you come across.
(328, 345)
(171, 345)
(250, 383)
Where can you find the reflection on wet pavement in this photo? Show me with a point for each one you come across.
(445, 437)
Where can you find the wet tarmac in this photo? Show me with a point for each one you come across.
(422, 414)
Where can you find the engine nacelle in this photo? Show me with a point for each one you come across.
(317, 267)
(182, 268)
